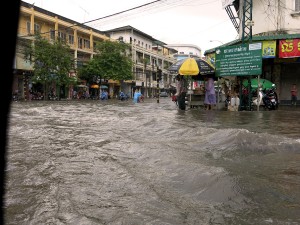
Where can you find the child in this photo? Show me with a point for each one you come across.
(294, 94)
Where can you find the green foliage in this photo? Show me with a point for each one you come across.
(111, 62)
(52, 61)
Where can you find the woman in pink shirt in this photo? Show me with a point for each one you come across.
(210, 94)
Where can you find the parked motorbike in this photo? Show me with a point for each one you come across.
(123, 96)
(52, 96)
(268, 98)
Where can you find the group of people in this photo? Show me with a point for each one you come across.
(181, 91)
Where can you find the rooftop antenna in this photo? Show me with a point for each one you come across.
(85, 12)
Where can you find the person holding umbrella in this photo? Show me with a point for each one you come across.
(181, 90)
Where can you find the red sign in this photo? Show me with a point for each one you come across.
(289, 48)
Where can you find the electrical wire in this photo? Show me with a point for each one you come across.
(114, 14)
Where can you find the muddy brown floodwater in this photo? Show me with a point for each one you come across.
(113, 162)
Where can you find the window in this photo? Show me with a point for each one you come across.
(86, 43)
(28, 27)
(79, 42)
(37, 29)
(52, 34)
(71, 39)
(62, 36)
(297, 5)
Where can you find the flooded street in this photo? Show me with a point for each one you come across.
(112, 162)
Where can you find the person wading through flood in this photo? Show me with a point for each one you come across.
(210, 94)
(181, 89)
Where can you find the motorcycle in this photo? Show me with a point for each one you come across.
(268, 98)
(123, 96)
(52, 96)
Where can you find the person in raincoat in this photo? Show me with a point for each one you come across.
(104, 95)
(137, 95)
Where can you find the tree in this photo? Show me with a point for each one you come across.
(111, 62)
(52, 61)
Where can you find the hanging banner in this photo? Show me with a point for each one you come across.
(211, 57)
(289, 48)
(268, 49)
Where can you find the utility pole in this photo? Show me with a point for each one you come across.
(247, 24)
(158, 78)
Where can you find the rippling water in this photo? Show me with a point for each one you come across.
(92, 162)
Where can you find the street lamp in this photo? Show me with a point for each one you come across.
(217, 40)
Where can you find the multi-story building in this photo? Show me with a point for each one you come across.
(32, 20)
(149, 56)
(185, 51)
(276, 24)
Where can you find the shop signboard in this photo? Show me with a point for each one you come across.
(269, 49)
(239, 60)
(289, 48)
(211, 57)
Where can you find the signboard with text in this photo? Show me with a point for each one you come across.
(239, 60)
(289, 48)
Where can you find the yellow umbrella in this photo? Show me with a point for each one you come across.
(189, 67)
(192, 67)
(94, 86)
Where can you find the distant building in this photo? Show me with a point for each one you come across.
(185, 51)
(149, 55)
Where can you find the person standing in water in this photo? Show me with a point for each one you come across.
(181, 90)
(210, 94)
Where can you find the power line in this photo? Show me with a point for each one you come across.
(114, 14)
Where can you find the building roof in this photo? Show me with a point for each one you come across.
(134, 30)
(130, 28)
(184, 45)
(261, 37)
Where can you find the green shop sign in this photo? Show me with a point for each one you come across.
(239, 60)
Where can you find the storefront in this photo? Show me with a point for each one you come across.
(280, 61)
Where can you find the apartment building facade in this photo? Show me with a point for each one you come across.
(148, 54)
(32, 20)
(185, 51)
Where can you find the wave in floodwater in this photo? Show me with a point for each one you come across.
(113, 162)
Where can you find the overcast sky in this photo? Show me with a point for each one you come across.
(171, 21)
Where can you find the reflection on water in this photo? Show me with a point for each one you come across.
(91, 162)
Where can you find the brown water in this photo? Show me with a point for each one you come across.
(112, 162)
